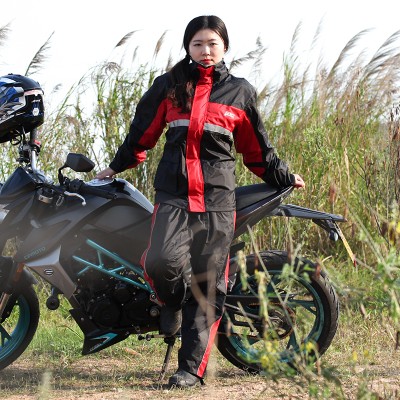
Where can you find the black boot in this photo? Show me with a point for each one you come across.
(170, 320)
(183, 379)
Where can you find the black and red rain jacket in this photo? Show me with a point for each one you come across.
(197, 169)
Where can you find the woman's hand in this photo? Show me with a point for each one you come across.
(106, 173)
(298, 181)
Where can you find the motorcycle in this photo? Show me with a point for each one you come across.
(85, 239)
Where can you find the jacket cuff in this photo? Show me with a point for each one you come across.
(115, 167)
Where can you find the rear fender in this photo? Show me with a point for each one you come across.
(291, 210)
(326, 221)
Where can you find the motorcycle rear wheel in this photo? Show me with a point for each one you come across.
(18, 328)
(302, 318)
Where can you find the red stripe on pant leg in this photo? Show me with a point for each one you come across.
(206, 356)
(144, 255)
(215, 325)
(228, 258)
(227, 273)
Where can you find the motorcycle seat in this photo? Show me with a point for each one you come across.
(251, 194)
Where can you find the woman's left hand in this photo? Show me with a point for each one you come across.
(298, 182)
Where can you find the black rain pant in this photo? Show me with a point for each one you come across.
(186, 263)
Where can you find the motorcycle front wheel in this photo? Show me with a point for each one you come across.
(289, 315)
(18, 325)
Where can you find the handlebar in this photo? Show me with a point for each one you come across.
(78, 186)
(86, 189)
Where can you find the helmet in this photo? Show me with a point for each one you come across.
(21, 106)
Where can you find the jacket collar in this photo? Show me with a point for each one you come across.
(220, 70)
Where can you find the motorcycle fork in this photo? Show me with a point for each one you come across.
(3, 303)
(12, 280)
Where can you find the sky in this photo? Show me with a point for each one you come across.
(84, 33)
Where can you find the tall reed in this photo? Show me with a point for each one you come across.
(338, 127)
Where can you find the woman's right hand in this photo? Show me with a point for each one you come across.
(106, 173)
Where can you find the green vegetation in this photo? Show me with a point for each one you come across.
(339, 127)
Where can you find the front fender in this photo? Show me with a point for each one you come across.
(12, 278)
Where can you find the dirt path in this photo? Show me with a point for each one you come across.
(115, 379)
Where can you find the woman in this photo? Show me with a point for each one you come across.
(207, 111)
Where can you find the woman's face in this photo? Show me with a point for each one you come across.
(207, 47)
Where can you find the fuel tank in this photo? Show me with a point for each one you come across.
(121, 225)
(125, 226)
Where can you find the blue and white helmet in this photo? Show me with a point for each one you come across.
(21, 106)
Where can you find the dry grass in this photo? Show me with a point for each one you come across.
(361, 364)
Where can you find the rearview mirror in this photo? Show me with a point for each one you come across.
(79, 162)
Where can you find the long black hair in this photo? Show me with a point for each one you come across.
(182, 89)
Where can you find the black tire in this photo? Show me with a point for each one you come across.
(19, 326)
(306, 311)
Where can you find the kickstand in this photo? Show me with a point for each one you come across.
(170, 341)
